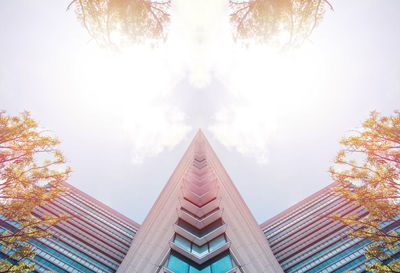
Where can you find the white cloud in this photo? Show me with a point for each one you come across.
(132, 92)
(198, 26)
(157, 127)
(245, 129)
(136, 87)
(266, 88)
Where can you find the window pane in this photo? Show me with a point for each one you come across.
(177, 265)
(217, 242)
(204, 270)
(222, 265)
(200, 251)
(182, 242)
(200, 233)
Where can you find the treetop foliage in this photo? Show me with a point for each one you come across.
(32, 172)
(286, 23)
(367, 171)
(116, 22)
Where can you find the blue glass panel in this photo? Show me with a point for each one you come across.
(393, 258)
(75, 200)
(339, 257)
(217, 242)
(79, 253)
(351, 264)
(6, 257)
(320, 253)
(308, 218)
(222, 265)
(200, 233)
(200, 251)
(204, 270)
(182, 242)
(62, 257)
(298, 215)
(177, 265)
(50, 265)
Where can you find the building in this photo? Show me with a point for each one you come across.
(304, 238)
(94, 239)
(200, 223)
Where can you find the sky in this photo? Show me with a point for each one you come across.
(125, 119)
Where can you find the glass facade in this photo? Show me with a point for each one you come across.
(200, 251)
(196, 247)
(179, 264)
(95, 238)
(305, 239)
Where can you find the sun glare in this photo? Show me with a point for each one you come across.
(133, 88)
(136, 86)
(267, 87)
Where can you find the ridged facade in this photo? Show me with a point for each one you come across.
(200, 223)
(95, 238)
(304, 238)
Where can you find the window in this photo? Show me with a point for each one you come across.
(199, 251)
(221, 264)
